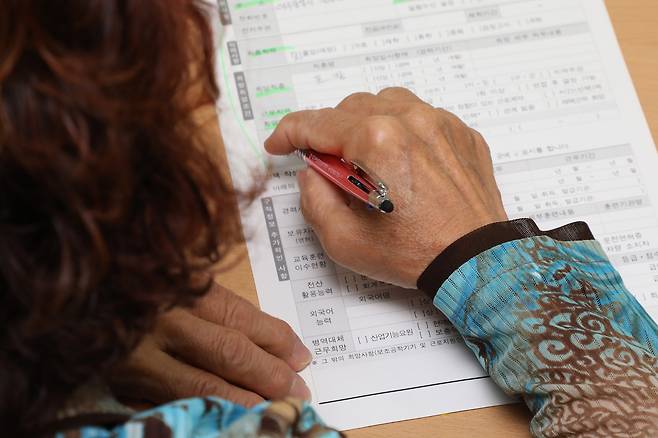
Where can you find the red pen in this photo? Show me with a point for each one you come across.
(352, 177)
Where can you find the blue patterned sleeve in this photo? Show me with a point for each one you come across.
(215, 418)
(552, 322)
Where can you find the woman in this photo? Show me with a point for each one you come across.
(114, 212)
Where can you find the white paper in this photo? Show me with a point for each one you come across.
(543, 80)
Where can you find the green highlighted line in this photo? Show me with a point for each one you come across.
(270, 50)
(277, 113)
(253, 3)
(272, 90)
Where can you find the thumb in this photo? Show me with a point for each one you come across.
(325, 208)
(320, 199)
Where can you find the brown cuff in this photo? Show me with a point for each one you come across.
(488, 237)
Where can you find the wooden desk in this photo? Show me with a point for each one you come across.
(635, 23)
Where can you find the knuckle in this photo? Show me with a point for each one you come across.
(379, 130)
(236, 311)
(200, 386)
(477, 135)
(286, 331)
(486, 151)
(419, 112)
(393, 91)
(283, 334)
(280, 380)
(449, 118)
(479, 139)
(233, 347)
(481, 146)
(355, 99)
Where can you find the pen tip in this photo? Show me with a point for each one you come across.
(387, 206)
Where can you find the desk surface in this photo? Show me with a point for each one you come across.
(635, 23)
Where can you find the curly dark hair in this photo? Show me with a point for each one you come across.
(112, 207)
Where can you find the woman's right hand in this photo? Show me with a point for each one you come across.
(439, 172)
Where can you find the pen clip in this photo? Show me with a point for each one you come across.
(367, 174)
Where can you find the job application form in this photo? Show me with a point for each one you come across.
(545, 83)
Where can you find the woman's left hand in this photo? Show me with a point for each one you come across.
(223, 346)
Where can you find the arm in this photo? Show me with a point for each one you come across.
(550, 320)
(546, 313)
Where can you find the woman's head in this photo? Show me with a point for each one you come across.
(111, 206)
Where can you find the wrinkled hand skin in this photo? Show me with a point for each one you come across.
(439, 172)
(223, 347)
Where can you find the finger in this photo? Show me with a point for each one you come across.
(224, 307)
(159, 378)
(324, 207)
(367, 104)
(431, 124)
(400, 95)
(230, 354)
(322, 202)
(326, 131)
(347, 199)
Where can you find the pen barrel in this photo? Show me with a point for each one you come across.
(340, 173)
(347, 177)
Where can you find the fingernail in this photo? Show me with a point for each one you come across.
(300, 390)
(300, 356)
